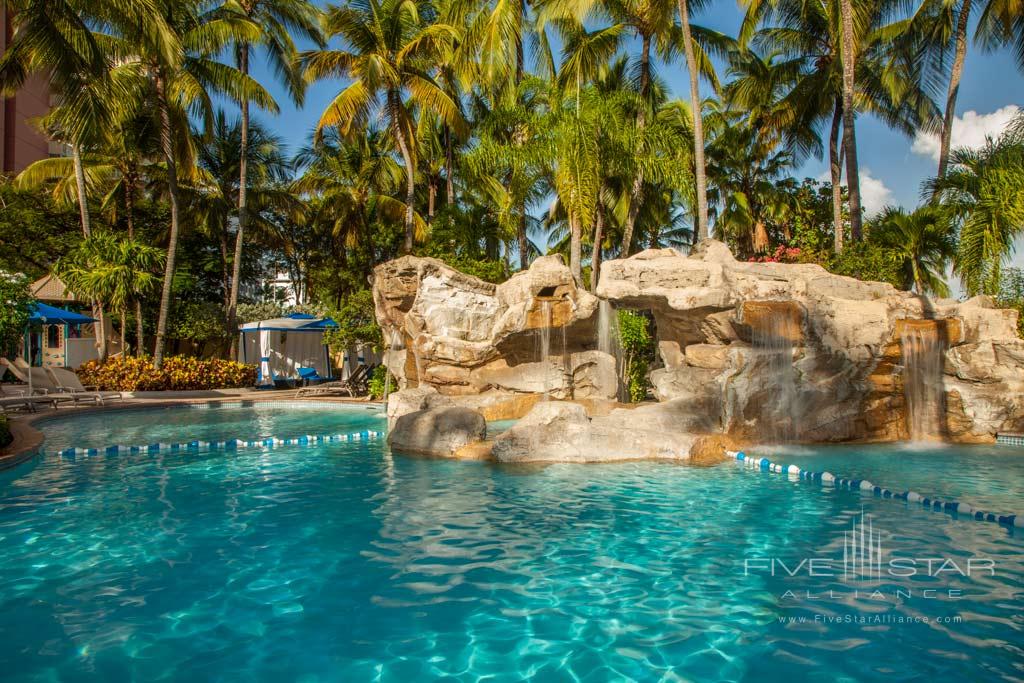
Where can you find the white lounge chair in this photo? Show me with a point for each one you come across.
(44, 384)
(15, 369)
(17, 396)
(68, 381)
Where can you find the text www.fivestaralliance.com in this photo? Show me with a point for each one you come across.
(870, 619)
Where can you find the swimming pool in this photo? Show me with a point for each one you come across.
(340, 561)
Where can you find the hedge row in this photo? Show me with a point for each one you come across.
(178, 373)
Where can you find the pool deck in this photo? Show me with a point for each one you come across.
(28, 439)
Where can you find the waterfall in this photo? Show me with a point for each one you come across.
(922, 349)
(773, 337)
(544, 345)
(608, 338)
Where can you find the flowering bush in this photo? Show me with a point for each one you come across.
(782, 254)
(179, 373)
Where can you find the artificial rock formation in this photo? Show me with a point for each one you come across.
(793, 352)
(462, 336)
(437, 431)
(755, 351)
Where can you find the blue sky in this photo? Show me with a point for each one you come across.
(892, 166)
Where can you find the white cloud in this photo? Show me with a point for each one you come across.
(970, 130)
(874, 195)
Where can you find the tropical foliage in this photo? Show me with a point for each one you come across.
(177, 373)
(484, 134)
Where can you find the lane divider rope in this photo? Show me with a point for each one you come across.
(225, 445)
(827, 479)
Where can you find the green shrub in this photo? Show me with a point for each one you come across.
(179, 373)
(378, 382)
(638, 351)
(5, 432)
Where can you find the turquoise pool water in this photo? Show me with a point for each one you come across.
(342, 562)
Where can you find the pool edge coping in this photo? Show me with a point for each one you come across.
(28, 440)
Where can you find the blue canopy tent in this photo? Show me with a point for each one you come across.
(288, 348)
(45, 314)
(48, 326)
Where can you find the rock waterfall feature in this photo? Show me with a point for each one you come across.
(746, 351)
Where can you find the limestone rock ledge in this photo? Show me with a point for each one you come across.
(755, 351)
(558, 431)
(437, 431)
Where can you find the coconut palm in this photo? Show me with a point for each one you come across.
(922, 243)
(945, 24)
(808, 40)
(277, 21)
(509, 164)
(185, 82)
(981, 191)
(391, 46)
(350, 185)
(213, 196)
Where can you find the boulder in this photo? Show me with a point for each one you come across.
(437, 431)
(557, 431)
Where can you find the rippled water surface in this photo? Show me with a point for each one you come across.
(341, 562)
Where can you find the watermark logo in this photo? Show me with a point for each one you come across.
(866, 565)
(862, 550)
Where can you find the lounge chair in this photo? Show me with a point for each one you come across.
(68, 381)
(43, 383)
(355, 384)
(15, 369)
(17, 395)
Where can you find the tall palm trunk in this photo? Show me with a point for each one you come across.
(167, 147)
(243, 209)
(449, 165)
(849, 133)
(431, 198)
(575, 248)
(836, 169)
(83, 211)
(595, 253)
(83, 204)
(954, 84)
(395, 105)
(700, 174)
(139, 334)
(524, 244)
(636, 192)
(125, 347)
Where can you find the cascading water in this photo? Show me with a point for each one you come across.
(608, 337)
(544, 345)
(923, 348)
(395, 343)
(773, 337)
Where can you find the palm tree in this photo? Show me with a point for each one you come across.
(184, 82)
(213, 196)
(277, 20)
(888, 77)
(945, 25)
(509, 164)
(391, 49)
(700, 174)
(745, 168)
(111, 270)
(981, 191)
(922, 244)
(349, 186)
